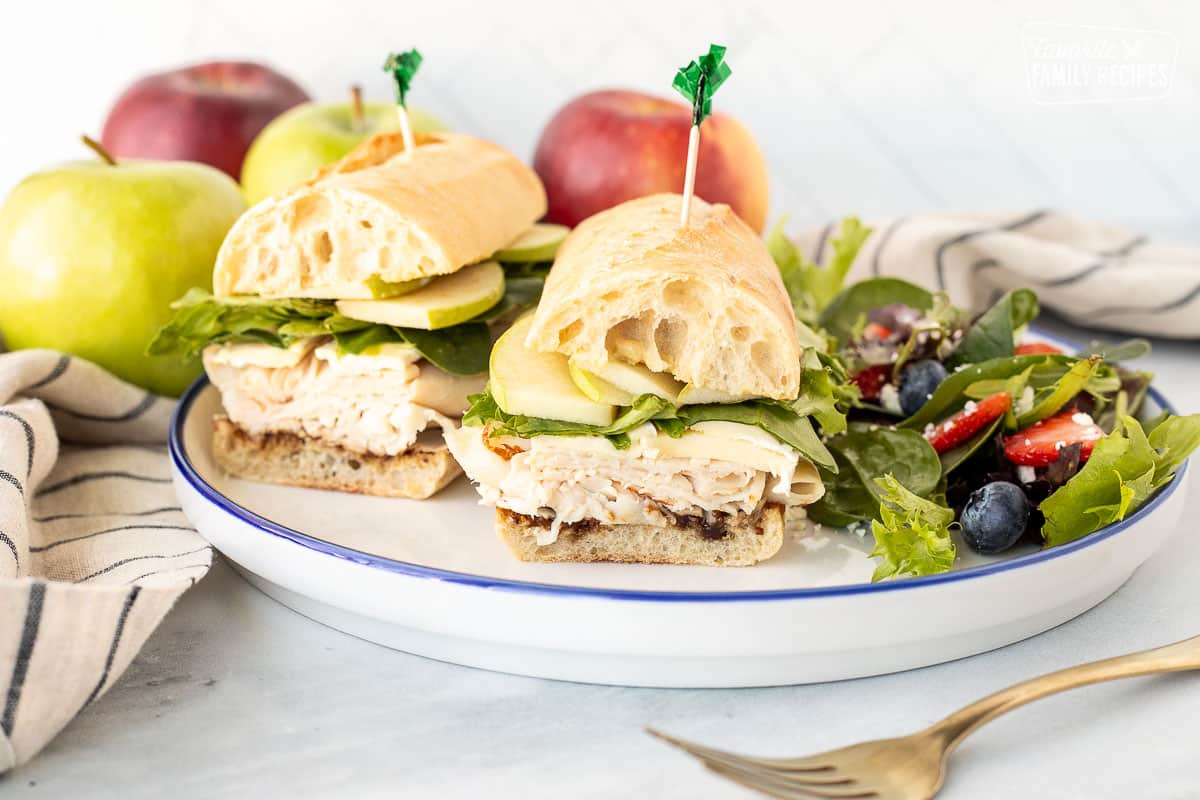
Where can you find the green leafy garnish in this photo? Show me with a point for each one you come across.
(995, 333)
(775, 418)
(201, 319)
(811, 287)
(700, 79)
(403, 66)
(485, 410)
(1124, 470)
(912, 534)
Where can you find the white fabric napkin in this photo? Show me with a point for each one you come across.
(94, 548)
(1093, 274)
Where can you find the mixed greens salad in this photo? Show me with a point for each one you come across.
(961, 430)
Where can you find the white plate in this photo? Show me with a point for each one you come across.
(430, 577)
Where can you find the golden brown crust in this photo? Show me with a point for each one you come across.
(703, 302)
(292, 460)
(747, 540)
(381, 213)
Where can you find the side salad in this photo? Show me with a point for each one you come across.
(962, 429)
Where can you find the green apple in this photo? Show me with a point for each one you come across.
(92, 254)
(302, 140)
(539, 243)
(446, 300)
(637, 379)
(535, 384)
(598, 389)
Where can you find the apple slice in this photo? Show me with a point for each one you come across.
(539, 243)
(693, 395)
(445, 301)
(535, 384)
(381, 289)
(598, 389)
(637, 379)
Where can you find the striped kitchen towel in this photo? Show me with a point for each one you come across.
(94, 549)
(1093, 274)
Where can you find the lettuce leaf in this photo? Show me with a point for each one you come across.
(1124, 471)
(201, 319)
(777, 419)
(811, 287)
(912, 534)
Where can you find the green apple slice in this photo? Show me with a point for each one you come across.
(598, 389)
(534, 384)
(637, 379)
(381, 289)
(539, 243)
(693, 395)
(445, 301)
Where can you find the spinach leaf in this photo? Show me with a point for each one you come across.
(846, 500)
(1127, 350)
(201, 319)
(845, 312)
(952, 393)
(776, 419)
(994, 333)
(870, 454)
(460, 350)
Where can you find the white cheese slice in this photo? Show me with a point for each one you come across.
(260, 354)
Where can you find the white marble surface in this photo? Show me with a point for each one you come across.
(236, 696)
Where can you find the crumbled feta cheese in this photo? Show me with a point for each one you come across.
(970, 407)
(889, 398)
(1080, 418)
(1026, 474)
(1025, 401)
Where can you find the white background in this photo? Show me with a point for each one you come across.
(861, 106)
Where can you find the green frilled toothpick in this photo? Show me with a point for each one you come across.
(697, 82)
(403, 66)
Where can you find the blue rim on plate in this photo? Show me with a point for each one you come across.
(210, 493)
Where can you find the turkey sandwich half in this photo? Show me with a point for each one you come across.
(355, 311)
(656, 406)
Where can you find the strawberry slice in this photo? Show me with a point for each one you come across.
(871, 379)
(876, 331)
(950, 433)
(1037, 349)
(1039, 444)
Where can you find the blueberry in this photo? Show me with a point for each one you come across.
(919, 381)
(994, 517)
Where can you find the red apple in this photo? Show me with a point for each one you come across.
(610, 146)
(206, 112)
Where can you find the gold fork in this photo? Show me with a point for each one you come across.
(913, 767)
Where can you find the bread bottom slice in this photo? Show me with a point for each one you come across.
(299, 461)
(747, 539)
